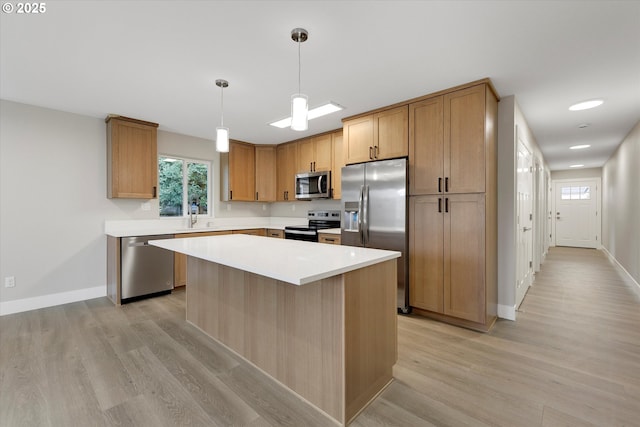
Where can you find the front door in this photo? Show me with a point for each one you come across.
(524, 235)
(576, 213)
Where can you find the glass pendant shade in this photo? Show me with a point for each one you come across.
(222, 139)
(299, 112)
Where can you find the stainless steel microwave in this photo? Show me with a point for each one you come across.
(313, 185)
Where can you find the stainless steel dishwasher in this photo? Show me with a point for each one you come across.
(146, 270)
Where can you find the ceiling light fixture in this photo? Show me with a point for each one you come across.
(579, 147)
(299, 101)
(593, 103)
(322, 110)
(576, 166)
(222, 133)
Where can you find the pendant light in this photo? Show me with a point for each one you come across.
(299, 101)
(222, 133)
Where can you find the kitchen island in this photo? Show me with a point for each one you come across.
(320, 319)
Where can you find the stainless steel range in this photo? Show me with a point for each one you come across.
(318, 220)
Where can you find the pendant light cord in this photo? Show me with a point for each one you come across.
(299, 65)
(221, 106)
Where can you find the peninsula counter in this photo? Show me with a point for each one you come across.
(320, 319)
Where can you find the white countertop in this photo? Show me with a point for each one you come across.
(291, 261)
(130, 228)
(330, 231)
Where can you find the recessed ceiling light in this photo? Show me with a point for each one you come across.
(322, 110)
(576, 166)
(579, 147)
(593, 103)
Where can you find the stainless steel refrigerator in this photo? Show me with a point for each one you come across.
(374, 213)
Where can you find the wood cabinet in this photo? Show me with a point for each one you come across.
(132, 158)
(286, 167)
(180, 260)
(265, 173)
(377, 136)
(453, 206)
(238, 172)
(447, 255)
(447, 142)
(337, 165)
(276, 233)
(315, 153)
(333, 239)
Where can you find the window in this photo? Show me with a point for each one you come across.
(575, 193)
(183, 183)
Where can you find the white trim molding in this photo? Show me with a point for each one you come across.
(617, 264)
(34, 303)
(506, 312)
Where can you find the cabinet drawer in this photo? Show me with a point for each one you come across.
(333, 239)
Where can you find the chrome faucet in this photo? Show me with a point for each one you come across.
(192, 218)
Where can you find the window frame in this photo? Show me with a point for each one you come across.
(185, 184)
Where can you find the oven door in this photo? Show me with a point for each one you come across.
(299, 233)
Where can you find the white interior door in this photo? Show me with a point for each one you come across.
(576, 213)
(524, 235)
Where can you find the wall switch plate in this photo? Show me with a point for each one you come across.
(9, 282)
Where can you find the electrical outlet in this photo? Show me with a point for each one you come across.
(9, 282)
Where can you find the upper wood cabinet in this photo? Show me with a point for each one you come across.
(265, 173)
(315, 153)
(378, 136)
(132, 158)
(286, 167)
(447, 142)
(238, 172)
(337, 164)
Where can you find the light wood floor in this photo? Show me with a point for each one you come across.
(571, 359)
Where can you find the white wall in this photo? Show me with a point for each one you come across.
(577, 173)
(510, 117)
(621, 204)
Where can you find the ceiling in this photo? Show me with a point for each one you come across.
(158, 61)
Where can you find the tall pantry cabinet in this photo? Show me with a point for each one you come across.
(453, 205)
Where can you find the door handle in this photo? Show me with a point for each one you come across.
(440, 185)
(526, 228)
(371, 153)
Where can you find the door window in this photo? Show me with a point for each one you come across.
(576, 193)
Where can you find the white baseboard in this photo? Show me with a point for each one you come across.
(34, 303)
(506, 312)
(615, 261)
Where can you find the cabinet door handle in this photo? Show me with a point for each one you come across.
(439, 204)
(446, 185)
(230, 194)
(257, 196)
(439, 184)
(446, 204)
(311, 166)
(154, 191)
(371, 153)
(375, 152)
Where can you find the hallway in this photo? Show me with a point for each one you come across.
(571, 359)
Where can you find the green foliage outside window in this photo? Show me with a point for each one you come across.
(172, 186)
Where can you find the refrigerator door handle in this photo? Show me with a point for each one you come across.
(365, 219)
(360, 215)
